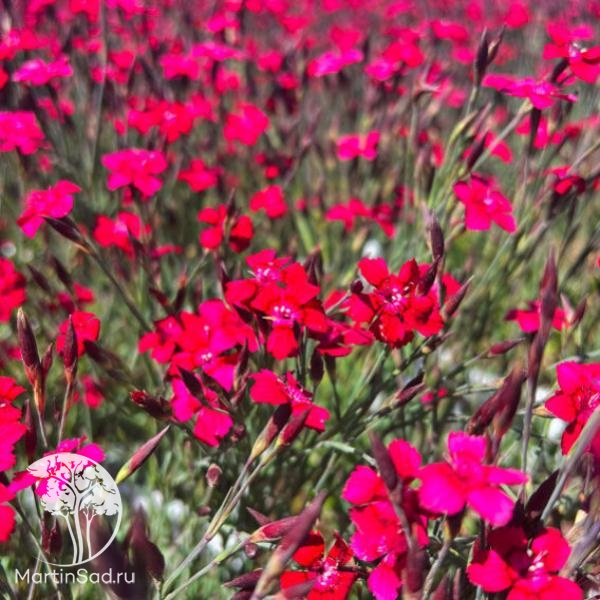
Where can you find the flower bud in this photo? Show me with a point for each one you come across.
(213, 474)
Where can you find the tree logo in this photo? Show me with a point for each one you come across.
(77, 489)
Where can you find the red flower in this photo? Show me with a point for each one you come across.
(379, 533)
(354, 145)
(565, 181)
(331, 583)
(56, 202)
(87, 328)
(268, 388)
(575, 401)
(246, 125)
(239, 232)
(265, 268)
(11, 430)
(7, 513)
(287, 307)
(120, 231)
(271, 199)
(484, 205)
(137, 168)
(20, 131)
(198, 176)
(527, 568)
(395, 309)
(12, 289)
(529, 319)
(212, 423)
(92, 393)
(463, 480)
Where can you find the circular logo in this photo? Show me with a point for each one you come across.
(76, 489)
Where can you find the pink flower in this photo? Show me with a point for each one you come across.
(268, 388)
(379, 534)
(212, 422)
(37, 72)
(331, 62)
(484, 205)
(246, 125)
(526, 567)
(12, 289)
(575, 401)
(270, 199)
(20, 131)
(55, 202)
(542, 94)
(354, 145)
(463, 479)
(137, 168)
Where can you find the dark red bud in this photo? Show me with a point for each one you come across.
(213, 474)
(384, 462)
(27, 344)
(504, 347)
(356, 287)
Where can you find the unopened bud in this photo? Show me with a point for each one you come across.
(213, 474)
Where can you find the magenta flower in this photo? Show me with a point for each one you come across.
(379, 534)
(527, 568)
(463, 480)
(137, 168)
(56, 202)
(542, 94)
(484, 205)
(575, 401)
(37, 72)
(212, 422)
(354, 145)
(246, 125)
(20, 131)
